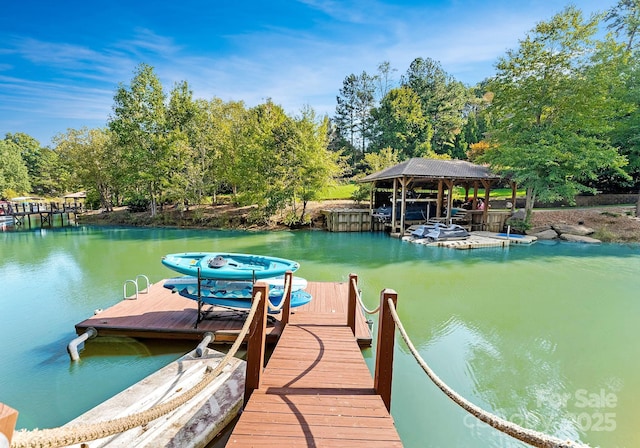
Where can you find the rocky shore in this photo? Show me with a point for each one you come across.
(608, 224)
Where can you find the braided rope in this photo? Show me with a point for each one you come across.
(526, 435)
(272, 307)
(70, 435)
(359, 297)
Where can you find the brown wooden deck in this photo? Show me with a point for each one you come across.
(162, 314)
(316, 390)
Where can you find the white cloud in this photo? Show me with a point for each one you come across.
(293, 67)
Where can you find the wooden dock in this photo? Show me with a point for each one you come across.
(316, 390)
(165, 315)
(22, 212)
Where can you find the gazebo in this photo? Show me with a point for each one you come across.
(407, 179)
(77, 199)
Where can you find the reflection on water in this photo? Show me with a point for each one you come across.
(542, 335)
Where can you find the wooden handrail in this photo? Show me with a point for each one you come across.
(384, 351)
(256, 341)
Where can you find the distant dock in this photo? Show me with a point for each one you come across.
(476, 240)
(25, 214)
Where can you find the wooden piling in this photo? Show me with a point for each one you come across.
(286, 308)
(256, 341)
(384, 352)
(352, 302)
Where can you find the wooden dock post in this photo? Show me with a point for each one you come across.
(384, 351)
(256, 342)
(286, 308)
(352, 302)
(8, 419)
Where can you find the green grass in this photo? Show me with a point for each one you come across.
(498, 193)
(345, 190)
(342, 191)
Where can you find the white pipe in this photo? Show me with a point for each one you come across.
(72, 348)
(208, 337)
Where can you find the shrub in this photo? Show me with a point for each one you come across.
(361, 193)
(604, 234)
(138, 203)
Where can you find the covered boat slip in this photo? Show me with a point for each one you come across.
(421, 183)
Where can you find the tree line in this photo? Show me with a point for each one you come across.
(561, 116)
(159, 149)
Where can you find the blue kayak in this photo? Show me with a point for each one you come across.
(228, 266)
(231, 285)
(241, 298)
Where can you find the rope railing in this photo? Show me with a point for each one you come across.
(529, 436)
(287, 286)
(354, 285)
(70, 435)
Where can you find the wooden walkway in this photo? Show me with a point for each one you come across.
(162, 314)
(316, 390)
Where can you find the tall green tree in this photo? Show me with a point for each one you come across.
(14, 176)
(553, 110)
(187, 122)
(443, 101)
(227, 136)
(283, 161)
(399, 123)
(624, 19)
(317, 167)
(355, 102)
(93, 159)
(46, 176)
(258, 173)
(139, 123)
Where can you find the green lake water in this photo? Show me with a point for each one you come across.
(543, 335)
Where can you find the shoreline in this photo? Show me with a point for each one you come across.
(616, 224)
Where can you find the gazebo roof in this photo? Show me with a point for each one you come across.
(433, 169)
(77, 195)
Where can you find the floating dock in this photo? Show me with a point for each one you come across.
(513, 238)
(161, 314)
(477, 240)
(317, 389)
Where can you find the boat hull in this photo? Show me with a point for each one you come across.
(228, 266)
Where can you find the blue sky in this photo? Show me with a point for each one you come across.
(61, 62)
